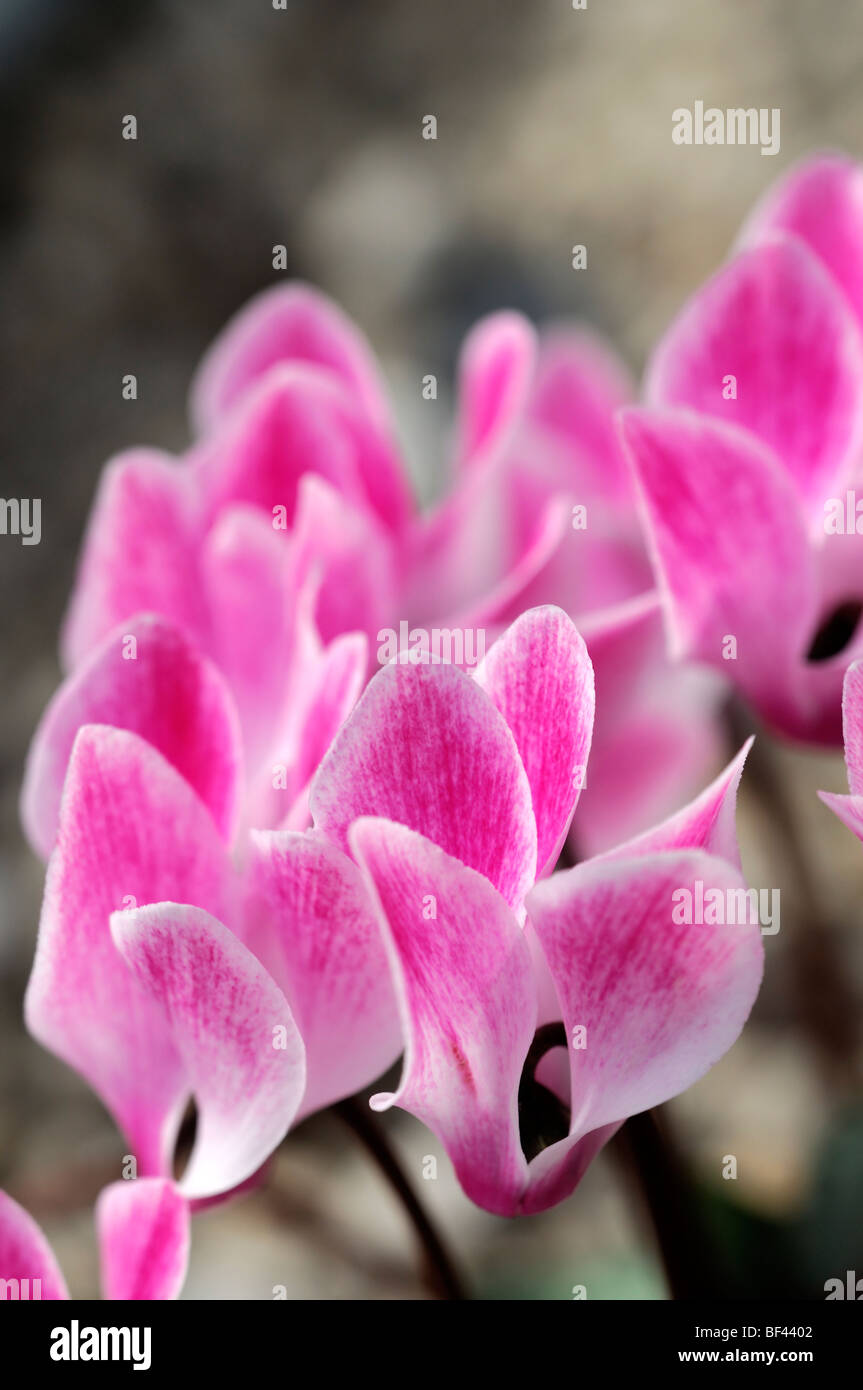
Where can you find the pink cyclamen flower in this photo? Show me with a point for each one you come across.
(749, 451)
(143, 1229)
(286, 538)
(453, 794)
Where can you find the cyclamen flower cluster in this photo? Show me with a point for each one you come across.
(273, 868)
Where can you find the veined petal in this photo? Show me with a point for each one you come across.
(730, 548)
(131, 831)
(143, 1228)
(427, 748)
(25, 1255)
(468, 1001)
(770, 344)
(241, 1052)
(540, 677)
(321, 942)
(146, 677)
(651, 996)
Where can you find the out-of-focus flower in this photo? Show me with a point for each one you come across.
(750, 449)
(453, 794)
(286, 538)
(143, 1228)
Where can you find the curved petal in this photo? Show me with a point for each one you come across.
(821, 201)
(730, 548)
(290, 323)
(468, 1001)
(660, 998)
(658, 735)
(321, 942)
(143, 1228)
(131, 831)
(28, 1266)
(158, 686)
(708, 822)
(775, 322)
(347, 556)
(427, 748)
(139, 554)
(540, 677)
(494, 373)
(241, 1053)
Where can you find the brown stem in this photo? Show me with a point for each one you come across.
(442, 1271)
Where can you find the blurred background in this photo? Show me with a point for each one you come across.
(302, 127)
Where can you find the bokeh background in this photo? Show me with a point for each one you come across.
(302, 127)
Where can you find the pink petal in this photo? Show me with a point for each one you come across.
(775, 321)
(578, 388)
(730, 547)
(26, 1255)
(540, 677)
(468, 1002)
(849, 809)
(321, 943)
(852, 724)
(291, 323)
(246, 568)
(821, 201)
(660, 1001)
(139, 554)
(143, 1230)
(427, 748)
(708, 822)
(131, 831)
(241, 1052)
(657, 736)
(494, 376)
(166, 692)
(347, 555)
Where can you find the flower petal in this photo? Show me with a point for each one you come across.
(540, 677)
(730, 548)
(852, 725)
(161, 688)
(291, 323)
(427, 748)
(139, 554)
(468, 1001)
(26, 1255)
(660, 1000)
(820, 200)
(321, 943)
(143, 1230)
(241, 1052)
(131, 831)
(495, 371)
(775, 322)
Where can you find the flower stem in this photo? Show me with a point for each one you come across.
(442, 1272)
